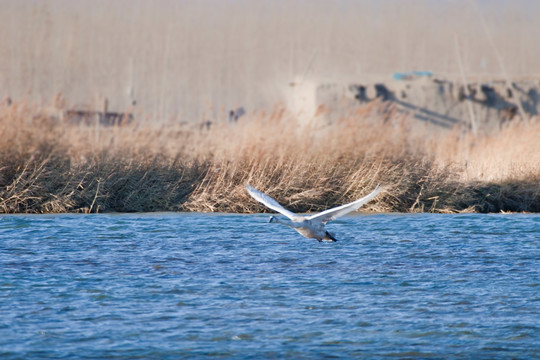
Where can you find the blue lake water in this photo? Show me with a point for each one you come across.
(169, 286)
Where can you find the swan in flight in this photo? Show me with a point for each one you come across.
(312, 226)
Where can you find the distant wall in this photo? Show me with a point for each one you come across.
(198, 59)
(479, 105)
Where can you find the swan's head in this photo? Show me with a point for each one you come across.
(272, 219)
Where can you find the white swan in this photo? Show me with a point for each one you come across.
(312, 226)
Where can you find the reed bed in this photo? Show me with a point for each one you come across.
(48, 165)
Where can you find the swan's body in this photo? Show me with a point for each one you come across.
(312, 226)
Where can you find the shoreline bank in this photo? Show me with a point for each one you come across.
(50, 166)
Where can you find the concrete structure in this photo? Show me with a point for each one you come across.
(440, 103)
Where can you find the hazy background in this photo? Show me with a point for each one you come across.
(197, 59)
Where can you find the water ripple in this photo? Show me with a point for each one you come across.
(232, 286)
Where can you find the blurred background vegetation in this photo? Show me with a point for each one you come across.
(194, 59)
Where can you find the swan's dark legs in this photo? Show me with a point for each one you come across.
(330, 237)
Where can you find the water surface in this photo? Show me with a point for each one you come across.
(175, 286)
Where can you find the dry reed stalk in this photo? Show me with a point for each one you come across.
(47, 165)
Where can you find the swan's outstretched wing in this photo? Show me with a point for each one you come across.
(269, 202)
(334, 213)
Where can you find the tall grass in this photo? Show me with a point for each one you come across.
(48, 165)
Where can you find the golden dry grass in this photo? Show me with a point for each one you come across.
(48, 165)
